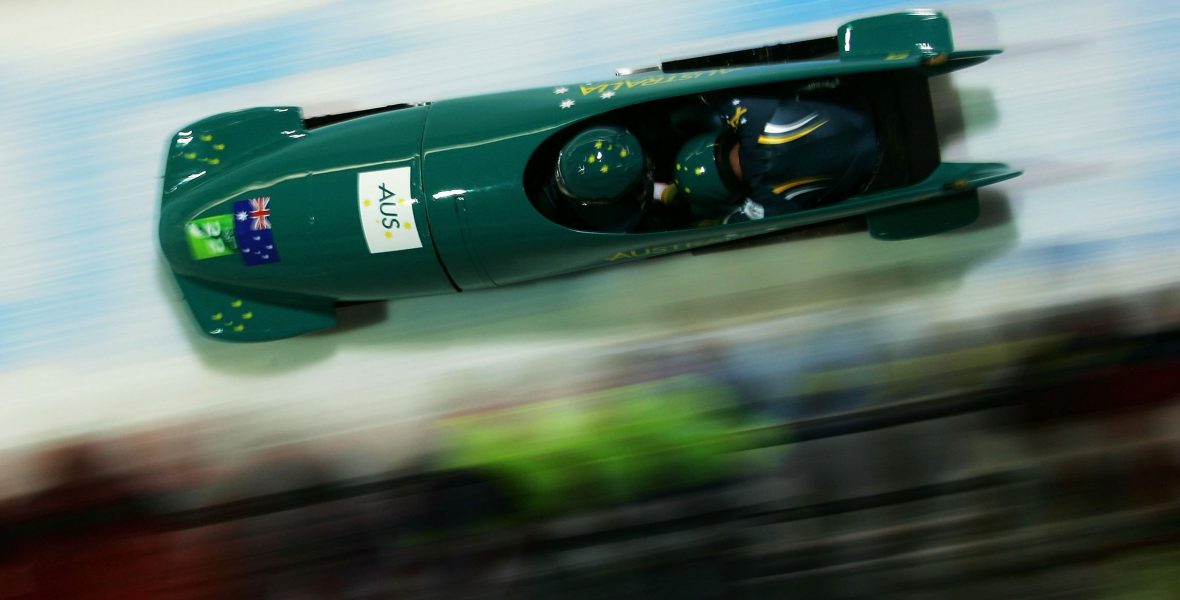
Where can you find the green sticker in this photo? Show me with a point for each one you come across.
(211, 237)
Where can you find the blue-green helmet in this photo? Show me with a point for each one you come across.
(703, 174)
(602, 165)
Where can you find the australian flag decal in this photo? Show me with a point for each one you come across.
(256, 241)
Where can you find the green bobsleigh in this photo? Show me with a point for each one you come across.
(269, 219)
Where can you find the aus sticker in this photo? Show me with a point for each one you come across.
(211, 237)
(387, 210)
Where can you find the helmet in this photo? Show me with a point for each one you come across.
(602, 165)
(704, 176)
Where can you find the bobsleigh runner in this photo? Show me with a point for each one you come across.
(269, 219)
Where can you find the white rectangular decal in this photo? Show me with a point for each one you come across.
(387, 210)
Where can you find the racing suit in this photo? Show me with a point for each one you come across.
(798, 152)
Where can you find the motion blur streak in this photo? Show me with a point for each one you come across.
(675, 473)
(990, 412)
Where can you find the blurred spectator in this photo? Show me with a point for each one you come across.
(92, 535)
(306, 544)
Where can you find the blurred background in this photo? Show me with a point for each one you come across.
(988, 413)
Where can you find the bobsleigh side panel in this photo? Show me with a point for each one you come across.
(475, 151)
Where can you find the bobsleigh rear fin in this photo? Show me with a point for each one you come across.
(918, 33)
(957, 204)
(895, 36)
(925, 218)
(254, 316)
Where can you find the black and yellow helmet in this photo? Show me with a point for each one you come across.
(601, 165)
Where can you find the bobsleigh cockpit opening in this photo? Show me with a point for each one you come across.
(633, 154)
(702, 165)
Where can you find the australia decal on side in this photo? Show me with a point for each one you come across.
(386, 206)
(256, 240)
(246, 232)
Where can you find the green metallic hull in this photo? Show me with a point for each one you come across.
(267, 220)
